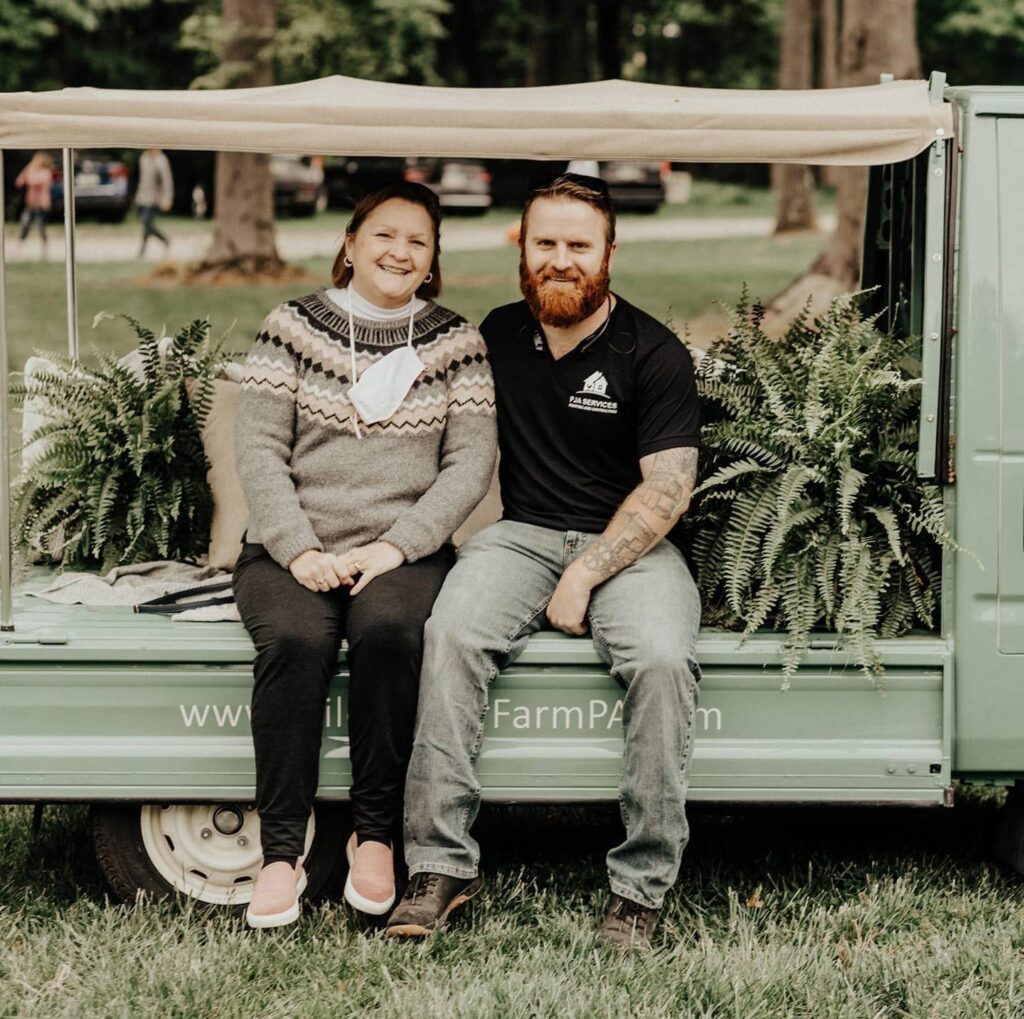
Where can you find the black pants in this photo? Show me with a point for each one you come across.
(30, 216)
(147, 215)
(297, 633)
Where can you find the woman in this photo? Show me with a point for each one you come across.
(36, 178)
(365, 437)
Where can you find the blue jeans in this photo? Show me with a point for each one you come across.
(644, 623)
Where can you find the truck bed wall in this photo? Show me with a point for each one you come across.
(83, 723)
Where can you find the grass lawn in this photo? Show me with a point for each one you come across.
(850, 912)
(677, 278)
(784, 912)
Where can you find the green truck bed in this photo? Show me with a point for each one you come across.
(107, 705)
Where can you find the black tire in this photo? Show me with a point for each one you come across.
(126, 863)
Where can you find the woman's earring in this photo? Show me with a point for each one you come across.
(347, 261)
(428, 277)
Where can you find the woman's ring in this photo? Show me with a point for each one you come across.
(357, 567)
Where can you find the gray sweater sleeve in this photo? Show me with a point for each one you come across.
(468, 451)
(264, 435)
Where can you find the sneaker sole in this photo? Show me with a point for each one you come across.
(415, 930)
(264, 921)
(359, 902)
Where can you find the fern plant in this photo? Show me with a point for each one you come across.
(121, 476)
(811, 515)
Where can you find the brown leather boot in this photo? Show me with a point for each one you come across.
(627, 926)
(427, 902)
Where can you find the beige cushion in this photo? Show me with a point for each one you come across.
(486, 513)
(230, 512)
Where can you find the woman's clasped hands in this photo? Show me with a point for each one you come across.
(324, 571)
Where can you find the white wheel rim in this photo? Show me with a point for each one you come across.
(193, 855)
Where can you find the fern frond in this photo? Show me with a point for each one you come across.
(810, 513)
(122, 455)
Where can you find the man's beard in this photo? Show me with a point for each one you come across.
(558, 305)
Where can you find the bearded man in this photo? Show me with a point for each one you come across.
(599, 427)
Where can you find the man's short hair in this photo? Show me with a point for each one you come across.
(578, 187)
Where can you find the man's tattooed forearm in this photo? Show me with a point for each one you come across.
(667, 488)
(607, 556)
(665, 494)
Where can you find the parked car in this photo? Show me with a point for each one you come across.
(513, 179)
(101, 187)
(462, 185)
(299, 188)
(349, 178)
(102, 184)
(635, 186)
(298, 184)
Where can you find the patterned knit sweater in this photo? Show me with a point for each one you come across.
(311, 482)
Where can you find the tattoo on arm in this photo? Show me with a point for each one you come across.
(607, 556)
(665, 494)
(669, 483)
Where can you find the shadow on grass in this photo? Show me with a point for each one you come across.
(54, 869)
(827, 851)
(831, 847)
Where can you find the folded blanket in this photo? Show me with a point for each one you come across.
(141, 582)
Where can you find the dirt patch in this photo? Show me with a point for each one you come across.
(173, 274)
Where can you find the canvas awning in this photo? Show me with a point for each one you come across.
(594, 120)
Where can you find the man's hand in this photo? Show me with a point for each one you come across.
(567, 610)
(320, 571)
(648, 514)
(371, 561)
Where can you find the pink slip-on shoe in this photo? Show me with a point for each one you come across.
(275, 899)
(372, 853)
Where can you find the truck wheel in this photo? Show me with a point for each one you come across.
(209, 852)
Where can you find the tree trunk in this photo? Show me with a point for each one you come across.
(243, 224)
(535, 48)
(828, 65)
(879, 36)
(794, 183)
(609, 38)
(567, 44)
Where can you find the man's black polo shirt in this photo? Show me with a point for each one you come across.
(572, 431)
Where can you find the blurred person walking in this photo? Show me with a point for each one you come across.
(37, 180)
(155, 193)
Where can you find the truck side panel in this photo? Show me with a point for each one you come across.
(180, 731)
(989, 426)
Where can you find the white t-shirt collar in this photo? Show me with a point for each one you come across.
(349, 299)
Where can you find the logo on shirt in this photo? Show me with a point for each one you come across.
(594, 396)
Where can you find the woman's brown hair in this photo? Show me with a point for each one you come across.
(407, 191)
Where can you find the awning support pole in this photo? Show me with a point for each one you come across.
(71, 286)
(6, 606)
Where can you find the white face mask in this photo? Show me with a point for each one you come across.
(380, 390)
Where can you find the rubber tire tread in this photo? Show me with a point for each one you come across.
(121, 854)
